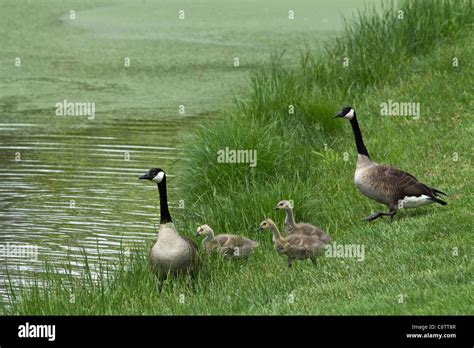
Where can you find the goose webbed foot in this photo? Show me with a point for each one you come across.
(375, 216)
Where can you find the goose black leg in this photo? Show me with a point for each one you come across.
(375, 216)
(313, 260)
(159, 285)
(392, 213)
(289, 262)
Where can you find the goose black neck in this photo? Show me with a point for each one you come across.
(165, 216)
(361, 149)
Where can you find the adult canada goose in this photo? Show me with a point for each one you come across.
(230, 245)
(384, 184)
(302, 228)
(294, 246)
(172, 253)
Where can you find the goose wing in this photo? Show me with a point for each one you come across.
(404, 184)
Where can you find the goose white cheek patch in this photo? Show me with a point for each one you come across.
(350, 114)
(159, 177)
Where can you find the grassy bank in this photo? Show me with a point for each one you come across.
(410, 266)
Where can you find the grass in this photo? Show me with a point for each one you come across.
(310, 158)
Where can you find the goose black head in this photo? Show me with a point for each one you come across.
(347, 112)
(155, 174)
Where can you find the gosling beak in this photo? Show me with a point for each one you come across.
(196, 234)
(276, 208)
(259, 228)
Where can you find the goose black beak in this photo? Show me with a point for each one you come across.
(144, 177)
(338, 115)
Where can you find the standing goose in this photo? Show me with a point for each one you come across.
(294, 246)
(384, 184)
(302, 228)
(230, 245)
(172, 253)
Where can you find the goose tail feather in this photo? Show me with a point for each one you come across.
(438, 192)
(437, 200)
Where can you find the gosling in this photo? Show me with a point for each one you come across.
(294, 246)
(300, 228)
(230, 246)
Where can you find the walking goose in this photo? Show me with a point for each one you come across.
(171, 254)
(302, 228)
(230, 245)
(294, 246)
(384, 184)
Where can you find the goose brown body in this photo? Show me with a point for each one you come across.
(390, 186)
(173, 254)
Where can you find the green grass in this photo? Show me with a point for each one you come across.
(301, 157)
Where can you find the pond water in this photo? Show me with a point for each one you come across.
(77, 191)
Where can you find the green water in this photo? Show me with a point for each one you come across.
(68, 184)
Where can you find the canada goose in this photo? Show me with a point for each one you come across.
(172, 253)
(230, 245)
(384, 184)
(302, 228)
(294, 246)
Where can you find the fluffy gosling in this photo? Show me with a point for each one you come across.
(294, 246)
(301, 228)
(229, 245)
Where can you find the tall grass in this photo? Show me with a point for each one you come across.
(293, 148)
(308, 157)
